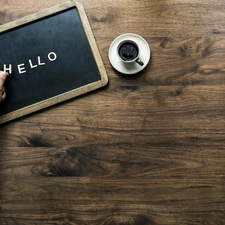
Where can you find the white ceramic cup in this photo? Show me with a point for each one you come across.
(128, 52)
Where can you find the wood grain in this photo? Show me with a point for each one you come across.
(148, 149)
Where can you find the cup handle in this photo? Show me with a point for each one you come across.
(139, 62)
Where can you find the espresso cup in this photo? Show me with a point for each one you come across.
(128, 52)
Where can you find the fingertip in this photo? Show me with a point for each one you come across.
(3, 73)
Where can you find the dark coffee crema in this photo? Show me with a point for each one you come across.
(128, 51)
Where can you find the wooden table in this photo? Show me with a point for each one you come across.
(146, 149)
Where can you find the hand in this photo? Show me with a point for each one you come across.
(3, 76)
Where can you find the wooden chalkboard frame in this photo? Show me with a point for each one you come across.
(72, 93)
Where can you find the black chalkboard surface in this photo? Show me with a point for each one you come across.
(51, 56)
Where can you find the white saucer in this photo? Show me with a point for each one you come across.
(132, 68)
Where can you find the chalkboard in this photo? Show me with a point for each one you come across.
(51, 56)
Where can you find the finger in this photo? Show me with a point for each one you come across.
(3, 95)
(3, 76)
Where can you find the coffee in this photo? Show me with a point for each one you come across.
(128, 51)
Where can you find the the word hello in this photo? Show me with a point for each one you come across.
(21, 67)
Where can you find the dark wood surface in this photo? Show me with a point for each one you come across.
(147, 149)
